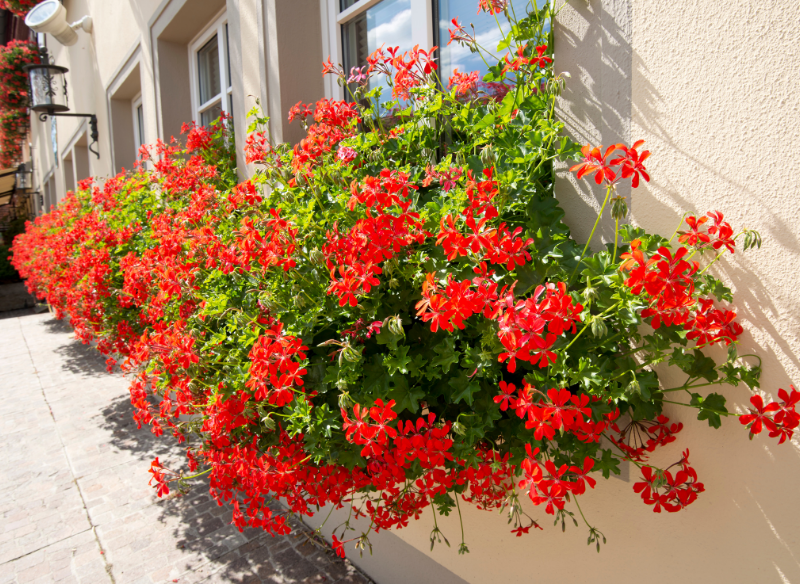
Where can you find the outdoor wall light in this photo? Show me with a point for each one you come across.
(24, 177)
(48, 92)
(51, 17)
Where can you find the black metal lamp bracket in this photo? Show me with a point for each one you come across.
(92, 126)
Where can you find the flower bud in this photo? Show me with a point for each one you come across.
(266, 302)
(317, 257)
(619, 208)
(599, 328)
(268, 422)
(459, 428)
(300, 301)
(345, 401)
(590, 292)
(395, 325)
(351, 355)
(488, 156)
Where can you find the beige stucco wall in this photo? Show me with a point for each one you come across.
(713, 88)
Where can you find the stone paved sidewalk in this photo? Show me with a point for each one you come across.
(74, 499)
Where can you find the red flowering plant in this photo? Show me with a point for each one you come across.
(14, 119)
(19, 7)
(391, 315)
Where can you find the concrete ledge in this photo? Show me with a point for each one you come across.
(15, 297)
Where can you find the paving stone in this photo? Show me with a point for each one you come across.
(75, 505)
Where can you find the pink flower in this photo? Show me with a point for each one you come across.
(346, 154)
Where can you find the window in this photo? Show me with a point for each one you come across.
(487, 34)
(138, 124)
(212, 89)
(388, 23)
(365, 25)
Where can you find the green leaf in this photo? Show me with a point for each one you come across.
(587, 374)
(375, 382)
(607, 463)
(398, 361)
(600, 266)
(711, 407)
(701, 366)
(446, 355)
(464, 388)
(406, 398)
(388, 338)
(487, 120)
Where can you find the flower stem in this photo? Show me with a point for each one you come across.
(609, 190)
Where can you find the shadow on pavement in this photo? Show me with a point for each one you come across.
(204, 528)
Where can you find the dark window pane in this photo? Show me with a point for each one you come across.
(228, 54)
(345, 4)
(140, 123)
(388, 23)
(211, 114)
(208, 68)
(354, 41)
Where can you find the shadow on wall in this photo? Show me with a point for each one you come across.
(593, 44)
(648, 115)
(662, 199)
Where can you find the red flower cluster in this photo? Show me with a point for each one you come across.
(663, 490)
(718, 235)
(492, 6)
(379, 236)
(641, 437)
(552, 412)
(779, 418)
(465, 83)
(538, 60)
(528, 328)
(495, 245)
(198, 138)
(630, 161)
(19, 7)
(275, 247)
(14, 118)
(447, 178)
(333, 122)
(406, 70)
(668, 281)
(275, 371)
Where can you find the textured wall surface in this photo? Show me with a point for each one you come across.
(713, 88)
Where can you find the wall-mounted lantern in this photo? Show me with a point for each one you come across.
(48, 94)
(24, 177)
(48, 84)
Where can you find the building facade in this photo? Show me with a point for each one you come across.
(713, 89)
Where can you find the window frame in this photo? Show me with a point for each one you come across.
(219, 28)
(138, 130)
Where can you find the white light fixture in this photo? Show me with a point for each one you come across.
(51, 17)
